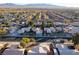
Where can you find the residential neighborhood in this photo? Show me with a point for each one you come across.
(39, 31)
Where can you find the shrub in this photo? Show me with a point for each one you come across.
(25, 41)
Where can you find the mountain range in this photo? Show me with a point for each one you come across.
(12, 5)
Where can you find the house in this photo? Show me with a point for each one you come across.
(52, 29)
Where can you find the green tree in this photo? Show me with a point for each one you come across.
(1, 16)
(49, 23)
(76, 39)
(37, 17)
(30, 23)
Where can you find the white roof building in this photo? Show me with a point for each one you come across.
(72, 29)
(13, 52)
(48, 30)
(58, 28)
(38, 31)
(41, 49)
(52, 29)
(75, 23)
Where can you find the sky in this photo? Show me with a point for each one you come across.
(67, 3)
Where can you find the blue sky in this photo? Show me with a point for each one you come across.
(68, 3)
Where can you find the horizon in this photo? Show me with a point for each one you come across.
(66, 3)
